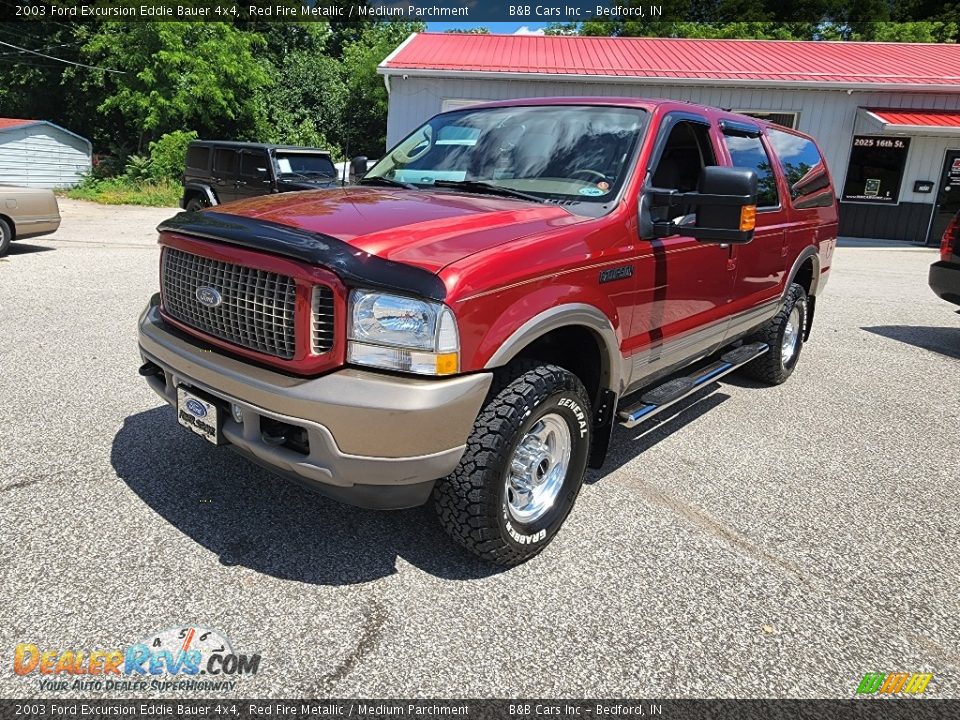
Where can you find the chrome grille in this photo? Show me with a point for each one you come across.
(257, 308)
(322, 322)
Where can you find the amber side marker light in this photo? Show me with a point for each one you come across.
(748, 217)
(448, 363)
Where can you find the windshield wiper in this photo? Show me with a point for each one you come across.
(380, 180)
(479, 186)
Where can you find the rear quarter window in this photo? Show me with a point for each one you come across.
(803, 168)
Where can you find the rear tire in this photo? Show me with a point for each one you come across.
(196, 204)
(523, 466)
(6, 237)
(784, 335)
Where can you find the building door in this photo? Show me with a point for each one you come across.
(948, 196)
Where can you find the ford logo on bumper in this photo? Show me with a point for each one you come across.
(196, 408)
(209, 297)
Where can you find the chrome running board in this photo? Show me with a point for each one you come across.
(673, 391)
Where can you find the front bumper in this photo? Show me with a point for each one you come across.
(375, 440)
(945, 281)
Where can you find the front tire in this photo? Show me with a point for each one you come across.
(784, 335)
(6, 237)
(523, 466)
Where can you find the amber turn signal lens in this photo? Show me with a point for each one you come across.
(748, 217)
(448, 363)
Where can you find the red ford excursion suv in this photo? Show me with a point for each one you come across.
(505, 285)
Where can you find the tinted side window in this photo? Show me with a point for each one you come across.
(225, 162)
(803, 168)
(198, 157)
(254, 164)
(748, 152)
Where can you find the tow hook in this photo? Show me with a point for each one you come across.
(149, 369)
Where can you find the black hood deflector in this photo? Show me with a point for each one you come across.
(355, 267)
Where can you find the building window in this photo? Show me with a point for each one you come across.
(746, 151)
(876, 169)
(786, 119)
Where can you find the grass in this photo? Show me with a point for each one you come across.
(123, 191)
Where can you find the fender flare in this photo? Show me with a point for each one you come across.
(568, 315)
(204, 190)
(811, 252)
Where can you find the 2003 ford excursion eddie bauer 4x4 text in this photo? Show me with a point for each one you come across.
(501, 288)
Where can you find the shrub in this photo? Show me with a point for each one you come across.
(167, 154)
(105, 166)
(122, 191)
(138, 168)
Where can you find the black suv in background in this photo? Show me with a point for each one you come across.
(218, 172)
(945, 275)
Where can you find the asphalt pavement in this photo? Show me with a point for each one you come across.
(762, 542)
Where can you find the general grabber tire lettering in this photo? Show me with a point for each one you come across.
(523, 466)
(784, 334)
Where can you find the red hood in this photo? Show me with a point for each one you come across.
(430, 229)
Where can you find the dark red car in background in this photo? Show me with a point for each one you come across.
(945, 274)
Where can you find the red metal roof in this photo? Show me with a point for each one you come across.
(7, 123)
(723, 61)
(919, 118)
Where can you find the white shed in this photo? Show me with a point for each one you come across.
(37, 153)
(886, 115)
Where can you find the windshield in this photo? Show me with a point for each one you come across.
(559, 153)
(311, 165)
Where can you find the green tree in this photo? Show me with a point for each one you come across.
(35, 87)
(167, 154)
(366, 101)
(307, 104)
(893, 20)
(202, 76)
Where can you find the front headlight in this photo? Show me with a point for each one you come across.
(402, 333)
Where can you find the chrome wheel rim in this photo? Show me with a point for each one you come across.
(791, 336)
(538, 468)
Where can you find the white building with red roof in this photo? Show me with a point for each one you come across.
(37, 153)
(886, 115)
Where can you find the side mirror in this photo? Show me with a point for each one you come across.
(725, 205)
(358, 167)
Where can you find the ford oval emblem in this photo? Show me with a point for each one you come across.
(209, 296)
(196, 408)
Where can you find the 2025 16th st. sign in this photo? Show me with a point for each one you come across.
(876, 169)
